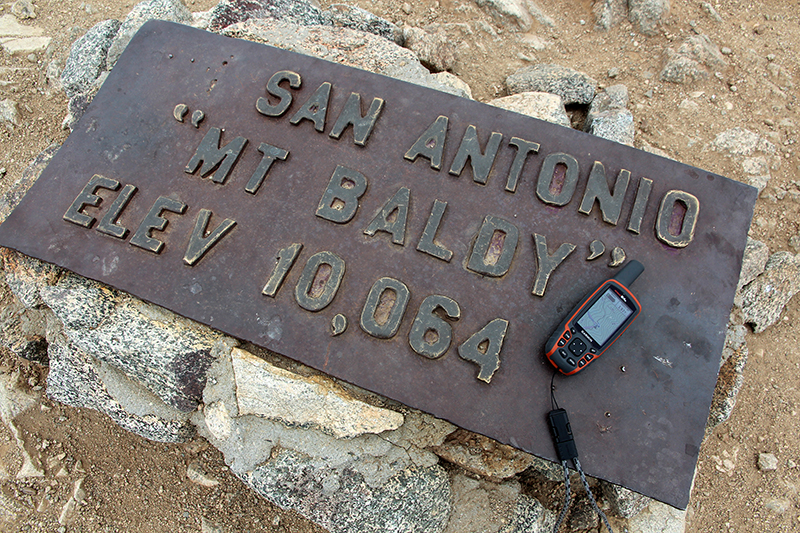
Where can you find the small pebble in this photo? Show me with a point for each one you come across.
(726, 51)
(767, 461)
(613, 72)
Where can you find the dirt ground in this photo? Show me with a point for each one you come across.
(135, 485)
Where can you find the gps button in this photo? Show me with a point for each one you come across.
(577, 347)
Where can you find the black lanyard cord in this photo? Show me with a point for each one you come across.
(566, 450)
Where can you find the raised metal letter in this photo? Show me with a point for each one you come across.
(88, 197)
(667, 221)
(351, 114)
(523, 149)
(597, 190)
(431, 143)
(397, 227)
(212, 156)
(470, 149)
(154, 221)
(340, 203)
(546, 263)
(108, 224)
(494, 248)
(262, 104)
(639, 205)
(314, 292)
(199, 242)
(427, 243)
(546, 175)
(430, 335)
(286, 257)
(381, 314)
(483, 348)
(316, 108)
(271, 153)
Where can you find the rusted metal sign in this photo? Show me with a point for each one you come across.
(417, 244)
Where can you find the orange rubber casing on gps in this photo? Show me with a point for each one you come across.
(595, 322)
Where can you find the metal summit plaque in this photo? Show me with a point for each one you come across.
(417, 244)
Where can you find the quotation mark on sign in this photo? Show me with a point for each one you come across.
(597, 248)
(181, 111)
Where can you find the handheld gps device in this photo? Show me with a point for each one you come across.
(595, 323)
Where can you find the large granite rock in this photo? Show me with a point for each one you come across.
(79, 380)
(496, 508)
(87, 58)
(756, 255)
(647, 15)
(340, 45)
(731, 376)
(367, 477)
(572, 86)
(165, 352)
(763, 300)
(544, 106)
(170, 10)
(229, 12)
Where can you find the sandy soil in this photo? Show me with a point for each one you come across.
(135, 485)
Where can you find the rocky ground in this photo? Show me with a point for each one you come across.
(711, 84)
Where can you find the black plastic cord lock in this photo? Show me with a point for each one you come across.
(562, 435)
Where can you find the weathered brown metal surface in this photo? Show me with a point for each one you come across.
(641, 428)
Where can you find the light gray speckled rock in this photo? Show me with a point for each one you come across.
(544, 106)
(167, 353)
(479, 455)
(170, 10)
(15, 400)
(87, 58)
(340, 45)
(658, 518)
(624, 503)
(513, 13)
(731, 376)
(647, 15)
(613, 97)
(22, 330)
(692, 60)
(608, 13)
(615, 125)
(609, 117)
(416, 499)
(449, 79)
(74, 379)
(344, 16)
(229, 12)
(489, 507)
(433, 47)
(354, 484)
(763, 300)
(27, 275)
(572, 86)
(9, 114)
(740, 141)
(756, 255)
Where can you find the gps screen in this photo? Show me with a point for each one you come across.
(604, 317)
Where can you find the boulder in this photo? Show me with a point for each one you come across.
(572, 86)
